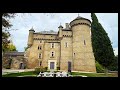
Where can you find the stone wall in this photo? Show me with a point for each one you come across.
(78, 50)
(13, 62)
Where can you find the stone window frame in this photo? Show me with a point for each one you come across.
(40, 47)
(40, 55)
(84, 42)
(74, 54)
(52, 54)
(52, 45)
(66, 44)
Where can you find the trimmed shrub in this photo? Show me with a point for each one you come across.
(40, 69)
(58, 68)
(46, 68)
(99, 68)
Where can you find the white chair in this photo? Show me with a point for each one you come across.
(64, 74)
(45, 74)
(51, 74)
(40, 75)
(58, 74)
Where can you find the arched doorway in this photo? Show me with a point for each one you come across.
(21, 66)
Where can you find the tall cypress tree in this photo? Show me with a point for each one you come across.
(101, 43)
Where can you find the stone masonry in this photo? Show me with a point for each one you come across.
(70, 48)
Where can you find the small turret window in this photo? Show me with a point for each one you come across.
(40, 55)
(40, 48)
(73, 54)
(52, 45)
(66, 44)
(52, 54)
(84, 42)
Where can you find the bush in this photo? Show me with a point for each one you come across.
(99, 68)
(40, 69)
(46, 68)
(58, 68)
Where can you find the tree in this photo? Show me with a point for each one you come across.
(5, 29)
(11, 47)
(114, 66)
(101, 44)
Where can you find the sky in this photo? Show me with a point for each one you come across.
(23, 22)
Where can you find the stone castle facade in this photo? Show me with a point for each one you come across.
(70, 48)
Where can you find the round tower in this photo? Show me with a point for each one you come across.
(30, 37)
(83, 58)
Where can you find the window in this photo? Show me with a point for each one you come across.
(40, 47)
(40, 55)
(52, 54)
(40, 63)
(73, 54)
(40, 41)
(52, 45)
(66, 44)
(84, 42)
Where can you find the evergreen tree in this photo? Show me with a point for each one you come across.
(101, 43)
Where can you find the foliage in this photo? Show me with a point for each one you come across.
(40, 69)
(99, 68)
(11, 47)
(101, 43)
(114, 66)
(5, 29)
(46, 68)
(58, 68)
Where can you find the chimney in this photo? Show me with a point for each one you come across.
(67, 25)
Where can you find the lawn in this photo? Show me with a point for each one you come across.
(26, 74)
(95, 74)
(75, 74)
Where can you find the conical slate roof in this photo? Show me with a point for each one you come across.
(60, 26)
(81, 18)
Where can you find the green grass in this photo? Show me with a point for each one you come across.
(32, 73)
(20, 74)
(95, 74)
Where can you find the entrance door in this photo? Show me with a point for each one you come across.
(21, 66)
(69, 66)
(51, 65)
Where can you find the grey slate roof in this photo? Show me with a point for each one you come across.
(12, 53)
